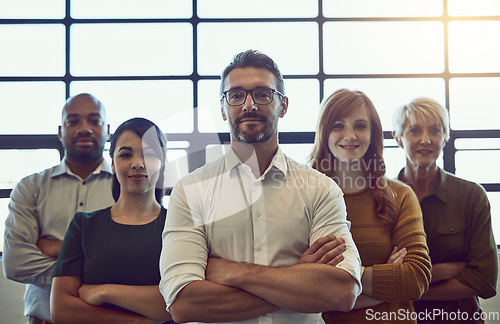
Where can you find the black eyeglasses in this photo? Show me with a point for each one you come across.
(261, 96)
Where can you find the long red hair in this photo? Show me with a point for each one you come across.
(338, 106)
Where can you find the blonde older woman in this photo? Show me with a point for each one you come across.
(456, 215)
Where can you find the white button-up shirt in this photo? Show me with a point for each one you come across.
(222, 210)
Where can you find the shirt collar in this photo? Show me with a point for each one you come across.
(441, 189)
(278, 161)
(63, 168)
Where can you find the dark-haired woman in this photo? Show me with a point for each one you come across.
(385, 215)
(107, 270)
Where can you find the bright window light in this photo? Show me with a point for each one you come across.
(382, 8)
(474, 46)
(131, 49)
(26, 9)
(474, 103)
(209, 108)
(31, 107)
(383, 47)
(284, 42)
(167, 103)
(477, 143)
(478, 166)
(256, 8)
(303, 107)
(473, 8)
(32, 50)
(131, 9)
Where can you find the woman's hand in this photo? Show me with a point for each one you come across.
(397, 256)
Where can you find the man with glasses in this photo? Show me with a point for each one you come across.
(236, 244)
(43, 204)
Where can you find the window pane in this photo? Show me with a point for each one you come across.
(383, 47)
(474, 8)
(474, 46)
(32, 50)
(176, 167)
(232, 38)
(389, 94)
(303, 107)
(31, 107)
(382, 8)
(394, 158)
(39, 9)
(169, 104)
(27, 162)
(477, 143)
(494, 198)
(478, 166)
(476, 97)
(209, 113)
(298, 152)
(131, 9)
(131, 49)
(256, 8)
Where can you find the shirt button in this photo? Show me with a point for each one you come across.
(81, 204)
(84, 183)
(258, 249)
(258, 214)
(452, 229)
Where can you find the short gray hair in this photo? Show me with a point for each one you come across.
(427, 108)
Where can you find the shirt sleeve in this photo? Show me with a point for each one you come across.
(481, 271)
(184, 254)
(410, 279)
(22, 259)
(71, 257)
(330, 217)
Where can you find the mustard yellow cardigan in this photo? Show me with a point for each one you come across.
(394, 284)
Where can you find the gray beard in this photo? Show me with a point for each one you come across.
(248, 139)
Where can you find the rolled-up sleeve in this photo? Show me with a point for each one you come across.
(330, 217)
(184, 254)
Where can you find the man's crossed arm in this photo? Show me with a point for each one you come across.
(236, 291)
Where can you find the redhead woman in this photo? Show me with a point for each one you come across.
(107, 270)
(385, 215)
(456, 214)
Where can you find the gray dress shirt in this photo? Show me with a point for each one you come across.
(42, 205)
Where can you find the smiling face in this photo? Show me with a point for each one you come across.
(349, 138)
(422, 142)
(250, 122)
(136, 165)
